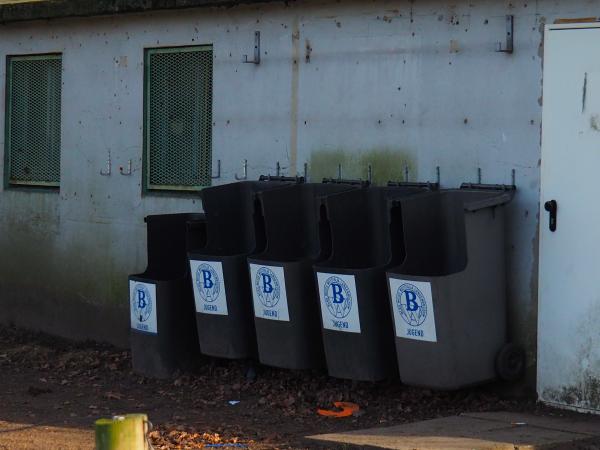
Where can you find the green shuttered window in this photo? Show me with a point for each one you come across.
(33, 108)
(178, 118)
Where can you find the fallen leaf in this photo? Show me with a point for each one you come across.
(113, 396)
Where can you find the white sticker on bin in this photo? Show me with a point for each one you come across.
(339, 302)
(412, 303)
(268, 292)
(209, 287)
(142, 304)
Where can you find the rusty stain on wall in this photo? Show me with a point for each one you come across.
(294, 97)
(576, 20)
(308, 51)
(454, 46)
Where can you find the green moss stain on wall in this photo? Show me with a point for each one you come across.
(387, 164)
(324, 164)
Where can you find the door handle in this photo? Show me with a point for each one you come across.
(551, 206)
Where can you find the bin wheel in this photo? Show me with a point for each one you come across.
(510, 363)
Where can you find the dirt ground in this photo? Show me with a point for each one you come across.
(52, 391)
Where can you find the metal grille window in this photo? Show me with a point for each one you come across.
(33, 120)
(178, 99)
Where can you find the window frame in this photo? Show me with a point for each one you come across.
(8, 113)
(154, 189)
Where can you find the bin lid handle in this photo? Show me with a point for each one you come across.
(281, 178)
(505, 195)
(362, 183)
(196, 221)
(489, 187)
(414, 184)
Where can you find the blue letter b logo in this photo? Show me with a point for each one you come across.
(337, 293)
(141, 299)
(267, 283)
(411, 304)
(207, 278)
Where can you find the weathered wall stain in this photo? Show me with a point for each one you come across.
(582, 383)
(66, 8)
(584, 395)
(295, 64)
(595, 122)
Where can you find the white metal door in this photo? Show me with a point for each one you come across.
(569, 272)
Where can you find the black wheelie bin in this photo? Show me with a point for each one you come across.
(448, 296)
(286, 306)
(163, 329)
(356, 321)
(235, 229)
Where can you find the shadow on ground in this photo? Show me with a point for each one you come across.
(52, 388)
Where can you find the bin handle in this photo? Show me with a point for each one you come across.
(414, 184)
(359, 182)
(295, 179)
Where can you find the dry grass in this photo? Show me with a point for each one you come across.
(10, 2)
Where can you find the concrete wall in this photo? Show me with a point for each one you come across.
(382, 82)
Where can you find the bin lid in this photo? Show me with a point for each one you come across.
(499, 194)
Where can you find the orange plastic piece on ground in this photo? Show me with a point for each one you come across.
(347, 409)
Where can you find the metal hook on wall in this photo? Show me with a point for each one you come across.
(218, 175)
(256, 59)
(510, 27)
(245, 169)
(108, 167)
(128, 171)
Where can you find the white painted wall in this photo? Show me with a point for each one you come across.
(420, 78)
